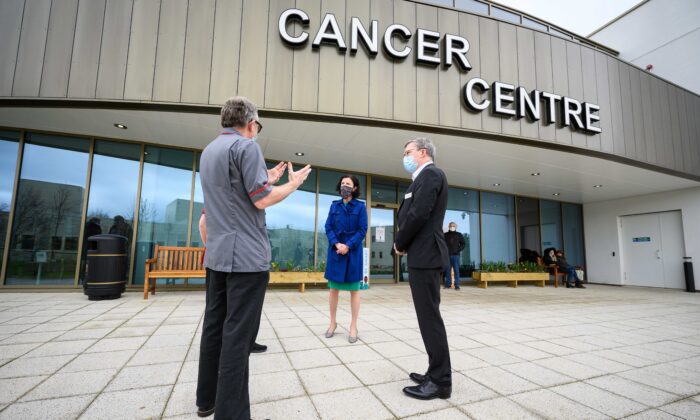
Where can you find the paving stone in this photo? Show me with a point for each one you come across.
(598, 399)
(498, 409)
(114, 344)
(663, 382)
(652, 414)
(465, 390)
(570, 368)
(499, 380)
(33, 366)
(267, 363)
(59, 348)
(189, 372)
(70, 384)
(16, 350)
(312, 358)
(58, 408)
(551, 405)
(274, 386)
(145, 356)
(328, 378)
(641, 393)
(72, 335)
(133, 404)
(11, 389)
(160, 341)
(376, 371)
(686, 409)
(132, 331)
(40, 337)
(392, 395)
(450, 413)
(300, 408)
(145, 376)
(301, 343)
(394, 348)
(356, 353)
(182, 400)
(99, 361)
(538, 374)
(494, 356)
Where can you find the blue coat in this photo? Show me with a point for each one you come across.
(346, 224)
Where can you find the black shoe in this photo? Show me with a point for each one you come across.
(417, 377)
(580, 286)
(428, 390)
(568, 286)
(456, 287)
(205, 412)
(258, 348)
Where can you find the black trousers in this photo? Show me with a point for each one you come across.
(425, 289)
(231, 323)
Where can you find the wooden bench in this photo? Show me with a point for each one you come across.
(185, 262)
(172, 262)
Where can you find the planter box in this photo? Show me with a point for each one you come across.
(297, 277)
(512, 279)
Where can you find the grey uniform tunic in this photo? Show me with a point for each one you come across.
(234, 176)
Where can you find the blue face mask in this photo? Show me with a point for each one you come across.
(409, 164)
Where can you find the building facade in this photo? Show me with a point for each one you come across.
(547, 140)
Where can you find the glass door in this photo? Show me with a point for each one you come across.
(382, 265)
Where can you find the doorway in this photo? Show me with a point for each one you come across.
(653, 250)
(383, 264)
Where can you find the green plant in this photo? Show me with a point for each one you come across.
(322, 266)
(290, 265)
(274, 266)
(494, 267)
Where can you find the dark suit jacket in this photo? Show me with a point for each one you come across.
(420, 220)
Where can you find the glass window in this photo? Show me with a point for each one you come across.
(195, 239)
(550, 222)
(528, 227)
(290, 226)
(442, 2)
(534, 24)
(472, 6)
(498, 227)
(463, 209)
(383, 190)
(49, 207)
(164, 210)
(505, 15)
(9, 146)
(559, 34)
(326, 195)
(573, 233)
(113, 187)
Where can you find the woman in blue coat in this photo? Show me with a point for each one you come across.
(346, 227)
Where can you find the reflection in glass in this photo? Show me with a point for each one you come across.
(463, 209)
(472, 6)
(498, 224)
(383, 190)
(573, 233)
(528, 228)
(550, 213)
(534, 24)
(326, 195)
(290, 226)
(381, 262)
(195, 239)
(113, 187)
(504, 15)
(9, 145)
(165, 203)
(46, 225)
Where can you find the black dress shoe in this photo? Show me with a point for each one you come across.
(417, 377)
(258, 348)
(580, 286)
(568, 286)
(428, 390)
(205, 412)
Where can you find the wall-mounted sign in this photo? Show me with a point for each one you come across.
(433, 48)
(642, 239)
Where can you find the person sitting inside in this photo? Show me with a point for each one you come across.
(554, 257)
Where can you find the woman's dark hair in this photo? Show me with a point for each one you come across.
(355, 183)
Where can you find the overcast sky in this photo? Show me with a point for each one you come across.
(579, 16)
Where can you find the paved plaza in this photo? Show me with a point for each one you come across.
(603, 352)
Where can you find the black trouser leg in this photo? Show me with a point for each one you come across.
(245, 294)
(210, 344)
(425, 289)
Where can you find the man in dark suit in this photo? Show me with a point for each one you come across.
(420, 236)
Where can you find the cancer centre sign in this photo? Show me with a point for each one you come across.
(434, 49)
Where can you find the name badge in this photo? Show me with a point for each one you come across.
(407, 196)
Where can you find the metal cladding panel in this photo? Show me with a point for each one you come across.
(142, 50)
(665, 115)
(86, 49)
(590, 90)
(469, 29)
(695, 139)
(167, 81)
(618, 130)
(225, 51)
(331, 66)
(11, 12)
(356, 86)
(59, 49)
(305, 68)
(427, 79)
(648, 120)
(685, 130)
(115, 49)
(527, 76)
(280, 61)
(575, 72)
(251, 76)
(198, 49)
(560, 79)
(490, 68)
(627, 119)
(449, 88)
(30, 56)
(405, 94)
(659, 130)
(381, 69)
(508, 62)
(603, 84)
(543, 72)
(638, 115)
(675, 128)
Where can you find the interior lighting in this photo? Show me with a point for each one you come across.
(299, 153)
(120, 126)
(598, 186)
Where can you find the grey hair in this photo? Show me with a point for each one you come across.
(237, 112)
(425, 144)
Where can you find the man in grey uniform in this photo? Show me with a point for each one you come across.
(237, 188)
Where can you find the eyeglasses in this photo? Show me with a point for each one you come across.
(408, 152)
(259, 126)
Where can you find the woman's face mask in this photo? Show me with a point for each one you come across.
(345, 191)
(453, 229)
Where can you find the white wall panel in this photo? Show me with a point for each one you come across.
(30, 57)
(167, 81)
(115, 49)
(198, 49)
(251, 76)
(226, 50)
(59, 48)
(381, 69)
(405, 94)
(11, 12)
(142, 50)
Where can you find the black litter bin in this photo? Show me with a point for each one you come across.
(106, 267)
(689, 278)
